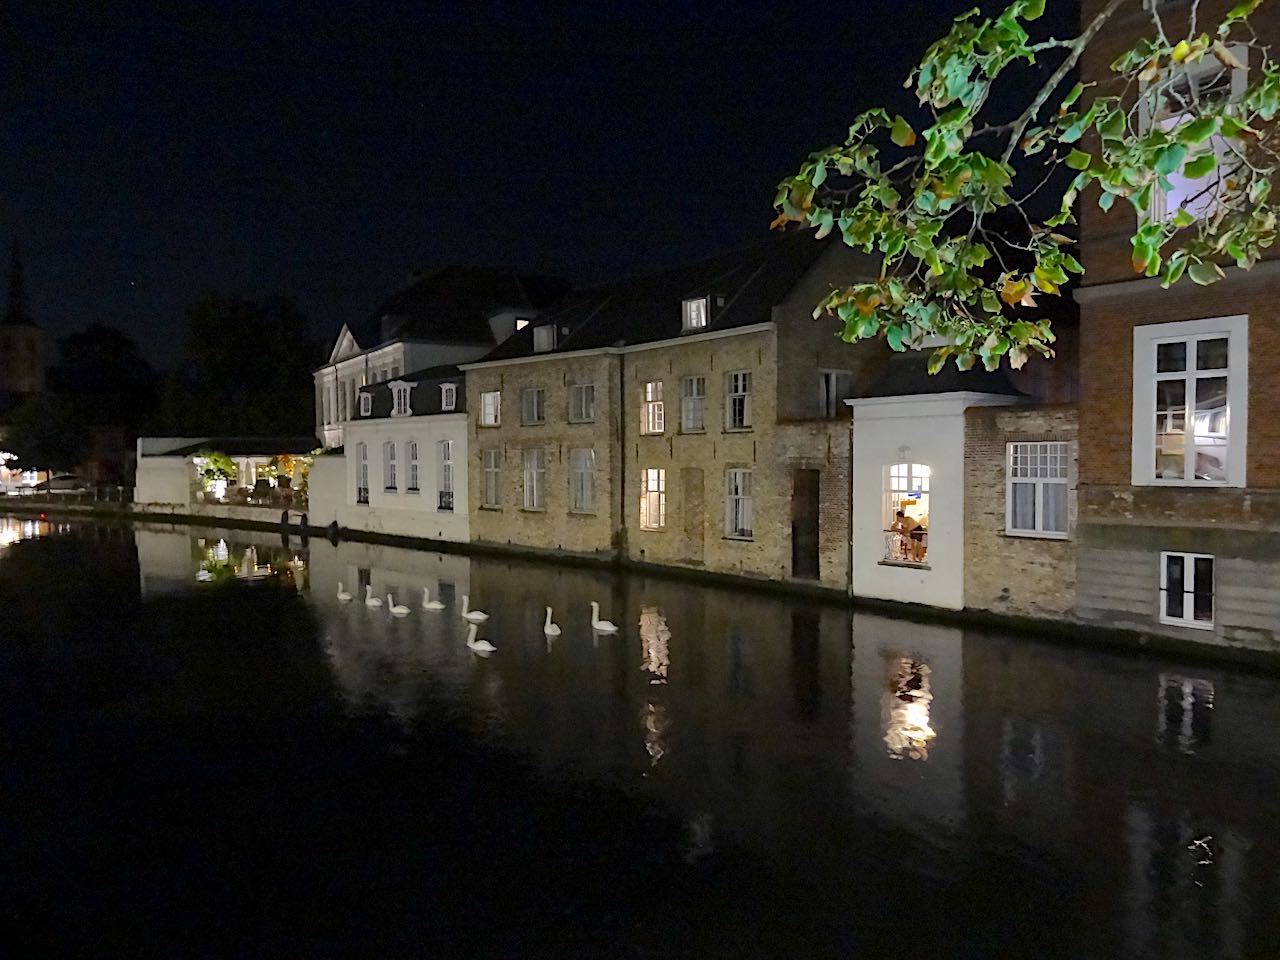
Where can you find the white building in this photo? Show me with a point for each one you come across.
(449, 316)
(403, 467)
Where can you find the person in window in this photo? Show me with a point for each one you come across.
(913, 536)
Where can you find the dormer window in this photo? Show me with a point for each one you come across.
(521, 323)
(400, 400)
(695, 313)
(544, 338)
(448, 396)
(366, 404)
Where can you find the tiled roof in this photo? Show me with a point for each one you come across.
(424, 397)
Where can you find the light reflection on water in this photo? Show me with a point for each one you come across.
(859, 749)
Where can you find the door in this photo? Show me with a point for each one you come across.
(804, 524)
(693, 504)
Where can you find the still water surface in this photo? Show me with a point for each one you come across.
(206, 753)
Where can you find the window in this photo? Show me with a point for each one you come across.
(1186, 589)
(653, 419)
(544, 338)
(737, 504)
(1190, 403)
(444, 452)
(531, 406)
(695, 313)
(582, 402)
(535, 478)
(490, 471)
(653, 499)
(389, 466)
(738, 401)
(400, 400)
(491, 409)
(833, 387)
(362, 472)
(366, 404)
(907, 490)
(395, 372)
(411, 454)
(582, 481)
(693, 398)
(521, 322)
(1205, 82)
(324, 405)
(342, 402)
(448, 396)
(1037, 489)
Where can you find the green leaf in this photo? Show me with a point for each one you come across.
(1259, 191)
(1239, 11)
(938, 359)
(902, 134)
(1078, 160)
(1033, 9)
(1201, 166)
(1170, 159)
(1106, 200)
(1198, 131)
(1183, 218)
(896, 334)
(1204, 273)
(819, 173)
(1072, 97)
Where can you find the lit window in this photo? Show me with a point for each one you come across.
(582, 402)
(448, 396)
(411, 453)
(444, 451)
(738, 401)
(1184, 708)
(1037, 489)
(582, 480)
(491, 409)
(400, 405)
(389, 467)
(532, 407)
(907, 536)
(1186, 589)
(362, 473)
(544, 338)
(535, 478)
(1189, 402)
(737, 504)
(652, 417)
(695, 313)
(833, 387)
(490, 472)
(653, 499)
(366, 404)
(521, 322)
(693, 398)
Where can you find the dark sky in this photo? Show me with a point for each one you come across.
(325, 150)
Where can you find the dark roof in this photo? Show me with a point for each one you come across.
(906, 374)
(424, 396)
(742, 288)
(453, 305)
(247, 446)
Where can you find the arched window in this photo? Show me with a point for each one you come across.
(907, 491)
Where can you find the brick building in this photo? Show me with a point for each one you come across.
(1179, 487)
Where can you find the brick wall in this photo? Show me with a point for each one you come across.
(1016, 575)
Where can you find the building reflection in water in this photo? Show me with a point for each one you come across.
(1184, 709)
(655, 643)
(14, 530)
(655, 720)
(906, 706)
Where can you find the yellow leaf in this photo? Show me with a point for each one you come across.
(1014, 290)
(1150, 70)
(1180, 51)
(779, 222)
(1225, 56)
(1044, 282)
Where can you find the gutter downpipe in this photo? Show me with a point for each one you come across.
(849, 508)
(621, 549)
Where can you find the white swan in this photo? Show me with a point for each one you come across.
(479, 646)
(598, 625)
(428, 603)
(474, 616)
(343, 595)
(549, 628)
(369, 599)
(397, 609)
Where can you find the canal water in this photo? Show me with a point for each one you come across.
(207, 753)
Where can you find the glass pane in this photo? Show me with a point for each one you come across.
(1174, 577)
(1211, 354)
(1055, 507)
(1171, 428)
(1202, 600)
(1211, 428)
(1171, 357)
(1024, 506)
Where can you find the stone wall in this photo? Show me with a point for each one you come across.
(1016, 575)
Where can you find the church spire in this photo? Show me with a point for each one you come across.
(19, 311)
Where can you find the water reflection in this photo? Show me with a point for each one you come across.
(906, 709)
(14, 529)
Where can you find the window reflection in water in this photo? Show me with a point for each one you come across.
(12, 530)
(1184, 707)
(655, 642)
(655, 721)
(1021, 757)
(906, 706)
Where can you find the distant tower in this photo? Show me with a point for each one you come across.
(21, 341)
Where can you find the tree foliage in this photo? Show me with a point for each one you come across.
(926, 200)
(48, 432)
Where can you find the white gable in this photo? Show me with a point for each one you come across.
(345, 347)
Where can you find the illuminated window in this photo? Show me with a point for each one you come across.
(653, 499)
(737, 504)
(652, 416)
(535, 478)
(1186, 589)
(693, 399)
(737, 408)
(1037, 489)
(907, 491)
(695, 313)
(448, 396)
(491, 409)
(444, 455)
(362, 472)
(582, 480)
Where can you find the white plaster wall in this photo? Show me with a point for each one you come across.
(326, 490)
(932, 430)
(163, 480)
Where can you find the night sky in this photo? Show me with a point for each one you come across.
(326, 150)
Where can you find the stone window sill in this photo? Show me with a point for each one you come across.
(491, 509)
(737, 430)
(739, 539)
(1035, 535)
(533, 509)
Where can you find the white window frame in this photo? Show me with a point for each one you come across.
(400, 404)
(653, 418)
(544, 338)
(366, 404)
(1145, 340)
(448, 397)
(491, 477)
(535, 478)
(737, 386)
(582, 402)
(693, 404)
(690, 316)
(444, 477)
(653, 498)
(1050, 465)
(411, 455)
(535, 398)
(390, 482)
(1188, 590)
(738, 505)
(491, 408)
(362, 472)
(582, 480)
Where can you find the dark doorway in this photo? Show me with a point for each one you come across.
(804, 524)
